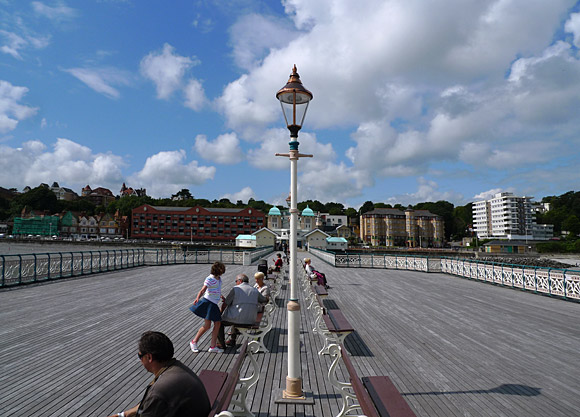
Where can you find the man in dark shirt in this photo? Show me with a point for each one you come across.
(176, 391)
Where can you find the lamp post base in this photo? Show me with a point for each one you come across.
(293, 389)
(293, 393)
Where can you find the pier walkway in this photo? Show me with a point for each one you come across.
(452, 347)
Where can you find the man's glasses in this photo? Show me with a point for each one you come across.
(140, 354)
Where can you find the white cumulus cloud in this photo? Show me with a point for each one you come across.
(573, 26)
(427, 191)
(11, 110)
(224, 150)
(243, 195)
(166, 69)
(486, 195)
(67, 162)
(194, 95)
(275, 141)
(167, 172)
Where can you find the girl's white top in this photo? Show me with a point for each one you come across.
(214, 289)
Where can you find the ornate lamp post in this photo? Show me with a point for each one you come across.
(294, 99)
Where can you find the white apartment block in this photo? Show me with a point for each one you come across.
(509, 217)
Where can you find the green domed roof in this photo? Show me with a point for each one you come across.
(274, 211)
(308, 212)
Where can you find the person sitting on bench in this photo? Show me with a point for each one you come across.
(264, 290)
(175, 391)
(278, 263)
(314, 274)
(239, 307)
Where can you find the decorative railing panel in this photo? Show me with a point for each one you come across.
(543, 281)
(30, 268)
(530, 282)
(558, 282)
(572, 285)
(518, 277)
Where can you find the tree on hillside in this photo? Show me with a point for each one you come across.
(335, 209)
(367, 206)
(259, 205)
(350, 212)
(182, 194)
(443, 209)
(463, 217)
(125, 205)
(561, 208)
(572, 225)
(4, 209)
(81, 205)
(223, 203)
(315, 205)
(39, 198)
(383, 205)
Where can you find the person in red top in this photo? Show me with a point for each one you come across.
(278, 263)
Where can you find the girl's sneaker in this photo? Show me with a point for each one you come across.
(215, 349)
(193, 347)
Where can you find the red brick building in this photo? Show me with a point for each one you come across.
(194, 223)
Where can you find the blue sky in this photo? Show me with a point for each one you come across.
(413, 101)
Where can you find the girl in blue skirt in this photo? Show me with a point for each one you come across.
(206, 307)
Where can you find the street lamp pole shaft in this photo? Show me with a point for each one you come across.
(294, 371)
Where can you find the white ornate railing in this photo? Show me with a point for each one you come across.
(563, 283)
(31, 268)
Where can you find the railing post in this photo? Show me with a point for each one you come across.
(512, 275)
(34, 279)
(3, 270)
(20, 269)
(48, 269)
(91, 252)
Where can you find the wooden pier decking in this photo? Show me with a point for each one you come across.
(453, 347)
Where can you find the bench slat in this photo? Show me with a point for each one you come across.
(365, 401)
(386, 397)
(229, 386)
(339, 320)
(320, 290)
(213, 381)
